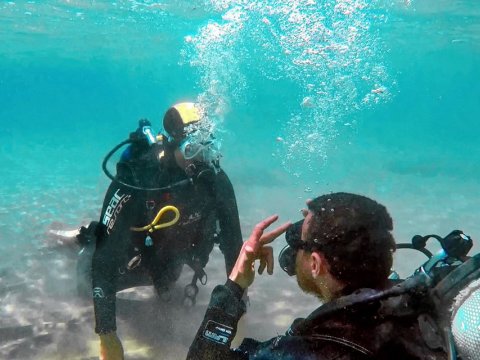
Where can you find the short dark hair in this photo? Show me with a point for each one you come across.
(354, 234)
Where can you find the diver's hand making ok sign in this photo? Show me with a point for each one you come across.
(243, 273)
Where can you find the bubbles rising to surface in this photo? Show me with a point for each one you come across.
(328, 52)
(213, 51)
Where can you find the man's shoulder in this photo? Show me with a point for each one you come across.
(366, 329)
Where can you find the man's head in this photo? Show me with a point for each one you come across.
(190, 136)
(179, 117)
(345, 244)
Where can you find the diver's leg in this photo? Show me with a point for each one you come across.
(84, 271)
(164, 272)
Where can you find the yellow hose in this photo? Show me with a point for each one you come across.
(154, 226)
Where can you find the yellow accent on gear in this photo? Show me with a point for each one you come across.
(154, 226)
(189, 112)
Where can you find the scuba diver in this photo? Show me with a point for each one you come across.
(342, 253)
(167, 206)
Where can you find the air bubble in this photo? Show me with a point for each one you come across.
(327, 51)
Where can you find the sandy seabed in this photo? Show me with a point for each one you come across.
(43, 318)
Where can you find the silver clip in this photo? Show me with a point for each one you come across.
(134, 262)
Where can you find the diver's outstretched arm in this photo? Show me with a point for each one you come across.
(215, 335)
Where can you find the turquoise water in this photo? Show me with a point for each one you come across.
(376, 97)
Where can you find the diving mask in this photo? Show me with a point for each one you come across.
(195, 149)
(288, 254)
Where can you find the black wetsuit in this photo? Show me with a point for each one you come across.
(206, 204)
(360, 333)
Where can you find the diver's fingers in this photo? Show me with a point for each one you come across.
(261, 226)
(253, 242)
(267, 256)
(266, 260)
(305, 211)
(263, 265)
(249, 250)
(272, 235)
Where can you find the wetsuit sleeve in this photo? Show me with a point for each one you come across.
(219, 325)
(110, 252)
(227, 211)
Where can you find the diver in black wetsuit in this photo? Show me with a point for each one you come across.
(168, 205)
(342, 253)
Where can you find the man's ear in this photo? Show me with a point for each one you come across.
(318, 264)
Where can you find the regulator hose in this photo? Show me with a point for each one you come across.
(113, 178)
